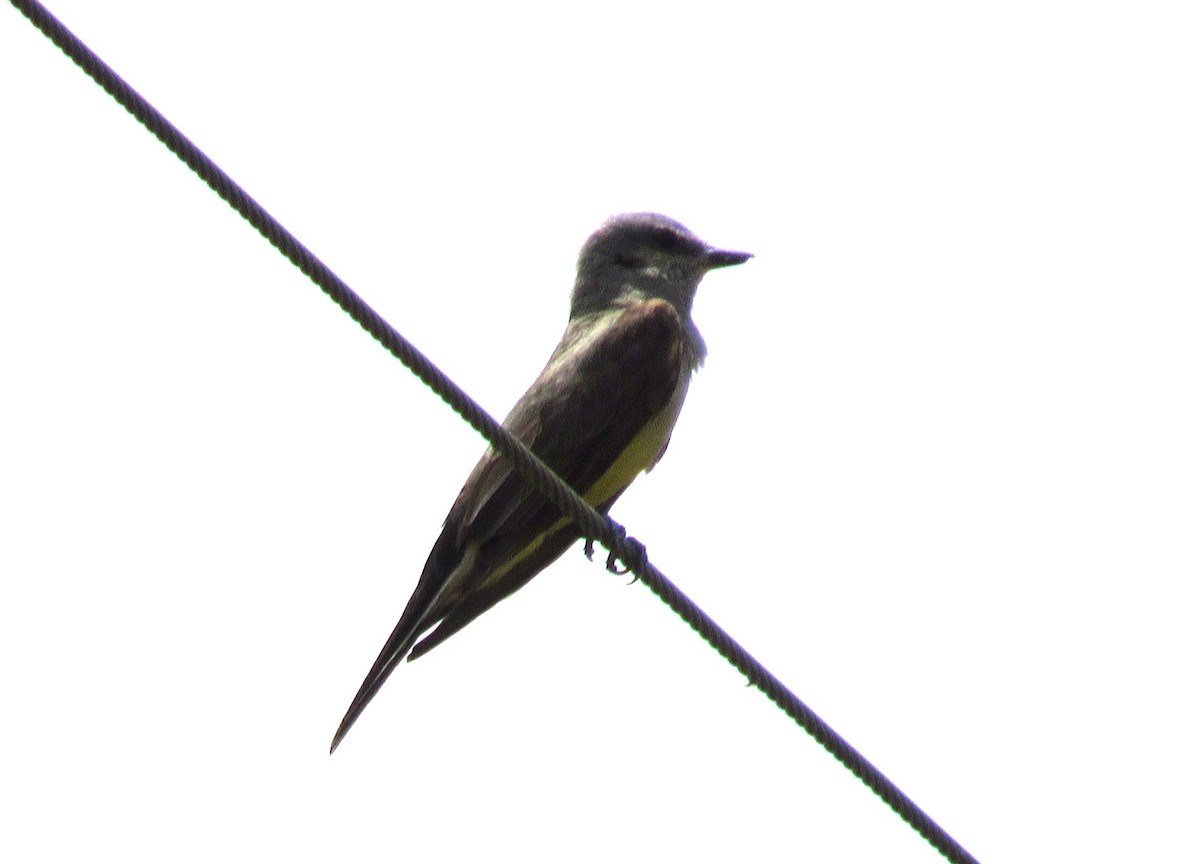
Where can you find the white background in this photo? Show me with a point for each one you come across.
(940, 472)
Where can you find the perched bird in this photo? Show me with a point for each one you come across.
(600, 413)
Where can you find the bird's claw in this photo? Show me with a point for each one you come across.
(611, 565)
(636, 560)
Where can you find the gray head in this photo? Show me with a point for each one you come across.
(648, 255)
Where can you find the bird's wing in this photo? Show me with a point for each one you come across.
(601, 387)
(609, 376)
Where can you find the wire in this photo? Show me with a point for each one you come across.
(591, 523)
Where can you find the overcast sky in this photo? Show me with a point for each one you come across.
(940, 472)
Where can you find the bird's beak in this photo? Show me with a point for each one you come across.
(714, 258)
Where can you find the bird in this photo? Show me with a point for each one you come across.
(600, 413)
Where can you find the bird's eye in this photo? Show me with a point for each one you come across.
(632, 262)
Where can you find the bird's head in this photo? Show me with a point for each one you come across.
(644, 254)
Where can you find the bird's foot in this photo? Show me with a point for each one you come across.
(612, 566)
(636, 560)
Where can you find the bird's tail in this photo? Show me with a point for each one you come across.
(422, 612)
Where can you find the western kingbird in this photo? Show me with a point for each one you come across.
(600, 413)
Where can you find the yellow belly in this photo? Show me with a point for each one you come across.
(640, 455)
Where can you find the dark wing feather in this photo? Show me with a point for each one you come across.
(471, 606)
(598, 390)
(595, 394)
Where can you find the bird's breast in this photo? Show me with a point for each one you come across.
(643, 452)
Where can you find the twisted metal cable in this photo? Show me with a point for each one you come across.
(591, 523)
